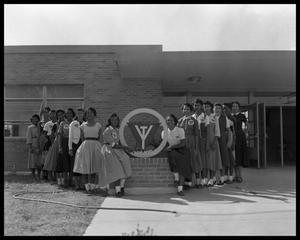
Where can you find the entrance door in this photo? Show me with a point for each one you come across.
(262, 134)
(253, 146)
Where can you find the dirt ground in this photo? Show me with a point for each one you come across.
(23, 217)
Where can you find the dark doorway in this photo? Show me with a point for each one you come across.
(274, 136)
(289, 135)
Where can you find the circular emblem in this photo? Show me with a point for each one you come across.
(114, 135)
(190, 122)
(162, 122)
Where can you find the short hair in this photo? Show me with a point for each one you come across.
(236, 102)
(198, 100)
(35, 116)
(190, 106)
(174, 118)
(71, 110)
(58, 111)
(53, 111)
(229, 105)
(109, 120)
(209, 103)
(80, 109)
(219, 104)
(84, 114)
(93, 110)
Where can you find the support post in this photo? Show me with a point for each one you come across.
(281, 137)
(45, 95)
(250, 97)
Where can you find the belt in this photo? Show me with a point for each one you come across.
(90, 138)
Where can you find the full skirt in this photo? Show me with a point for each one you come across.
(52, 157)
(194, 153)
(117, 166)
(89, 159)
(181, 162)
(213, 157)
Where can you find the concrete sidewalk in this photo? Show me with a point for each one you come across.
(264, 204)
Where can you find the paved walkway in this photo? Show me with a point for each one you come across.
(264, 204)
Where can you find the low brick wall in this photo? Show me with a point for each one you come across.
(15, 154)
(146, 172)
(150, 172)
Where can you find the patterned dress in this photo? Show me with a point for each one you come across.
(213, 155)
(202, 137)
(117, 162)
(32, 137)
(64, 163)
(190, 126)
(52, 155)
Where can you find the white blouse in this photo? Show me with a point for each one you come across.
(74, 133)
(174, 136)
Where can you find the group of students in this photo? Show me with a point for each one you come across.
(207, 143)
(74, 151)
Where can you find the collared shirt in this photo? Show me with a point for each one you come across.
(174, 136)
(74, 133)
(200, 118)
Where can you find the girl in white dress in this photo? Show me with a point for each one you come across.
(89, 159)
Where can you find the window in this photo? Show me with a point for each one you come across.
(22, 101)
(11, 130)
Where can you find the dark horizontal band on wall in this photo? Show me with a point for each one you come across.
(229, 93)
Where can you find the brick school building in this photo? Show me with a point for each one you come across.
(121, 78)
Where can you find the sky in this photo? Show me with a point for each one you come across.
(177, 27)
